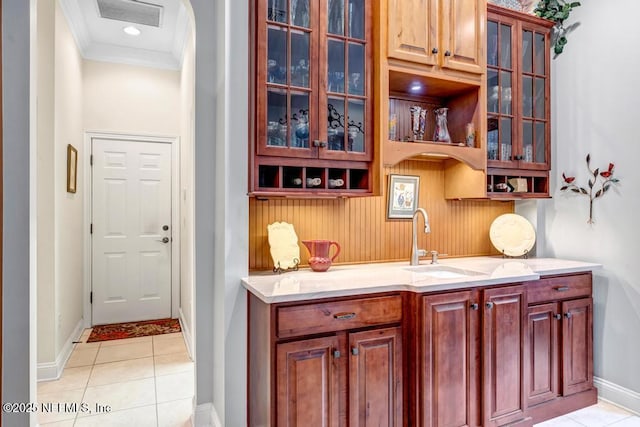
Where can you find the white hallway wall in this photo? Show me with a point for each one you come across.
(595, 92)
(59, 213)
(221, 106)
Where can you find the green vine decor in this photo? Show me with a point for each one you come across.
(604, 178)
(557, 11)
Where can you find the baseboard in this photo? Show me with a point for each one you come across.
(206, 416)
(51, 371)
(186, 333)
(618, 395)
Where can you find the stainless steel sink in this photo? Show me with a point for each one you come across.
(442, 271)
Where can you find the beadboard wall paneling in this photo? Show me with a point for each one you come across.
(361, 227)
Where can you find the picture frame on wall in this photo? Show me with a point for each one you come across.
(72, 168)
(402, 196)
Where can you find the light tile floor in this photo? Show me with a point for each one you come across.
(600, 415)
(147, 381)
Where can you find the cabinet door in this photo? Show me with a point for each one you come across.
(375, 383)
(534, 97)
(449, 343)
(307, 383)
(413, 30)
(462, 36)
(286, 77)
(543, 352)
(346, 76)
(577, 350)
(501, 87)
(504, 340)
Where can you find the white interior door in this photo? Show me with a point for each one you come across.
(131, 239)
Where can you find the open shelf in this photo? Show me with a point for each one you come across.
(296, 181)
(503, 183)
(463, 103)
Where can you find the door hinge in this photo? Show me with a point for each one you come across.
(91, 228)
(91, 160)
(91, 297)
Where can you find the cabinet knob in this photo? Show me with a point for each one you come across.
(318, 143)
(562, 288)
(557, 316)
(434, 50)
(474, 306)
(567, 315)
(336, 354)
(489, 305)
(355, 351)
(447, 53)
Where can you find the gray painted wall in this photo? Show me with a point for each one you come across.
(595, 89)
(18, 362)
(221, 212)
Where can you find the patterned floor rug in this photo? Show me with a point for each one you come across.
(119, 331)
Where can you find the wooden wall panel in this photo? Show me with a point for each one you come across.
(360, 226)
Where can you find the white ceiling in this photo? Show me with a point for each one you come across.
(102, 39)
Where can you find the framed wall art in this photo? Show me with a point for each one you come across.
(402, 196)
(72, 168)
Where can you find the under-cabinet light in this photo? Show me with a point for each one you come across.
(415, 87)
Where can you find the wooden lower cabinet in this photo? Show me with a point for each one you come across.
(559, 355)
(310, 376)
(510, 355)
(307, 382)
(543, 352)
(450, 356)
(375, 378)
(330, 363)
(504, 341)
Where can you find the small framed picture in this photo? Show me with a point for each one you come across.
(72, 168)
(402, 196)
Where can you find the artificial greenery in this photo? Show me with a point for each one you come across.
(557, 11)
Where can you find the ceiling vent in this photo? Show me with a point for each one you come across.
(131, 11)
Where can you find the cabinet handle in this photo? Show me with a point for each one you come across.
(447, 53)
(562, 288)
(336, 354)
(434, 50)
(318, 143)
(474, 306)
(567, 315)
(344, 316)
(355, 351)
(557, 316)
(489, 305)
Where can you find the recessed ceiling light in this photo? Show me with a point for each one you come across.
(131, 30)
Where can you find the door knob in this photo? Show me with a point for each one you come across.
(165, 227)
(164, 240)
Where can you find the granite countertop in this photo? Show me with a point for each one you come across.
(453, 273)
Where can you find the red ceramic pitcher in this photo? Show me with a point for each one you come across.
(319, 251)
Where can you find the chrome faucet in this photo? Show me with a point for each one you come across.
(415, 252)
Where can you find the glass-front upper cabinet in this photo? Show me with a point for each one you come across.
(518, 87)
(313, 86)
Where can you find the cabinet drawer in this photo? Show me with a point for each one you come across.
(337, 316)
(558, 288)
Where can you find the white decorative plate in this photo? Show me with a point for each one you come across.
(512, 235)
